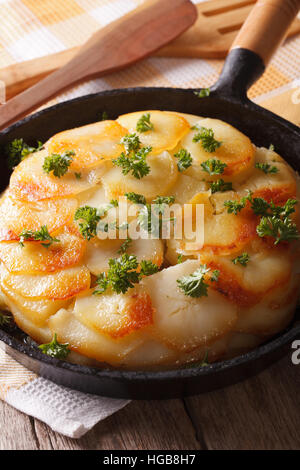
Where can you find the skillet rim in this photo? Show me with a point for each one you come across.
(281, 340)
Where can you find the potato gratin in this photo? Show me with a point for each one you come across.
(149, 302)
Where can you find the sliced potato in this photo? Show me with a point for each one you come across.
(89, 342)
(58, 286)
(161, 178)
(29, 182)
(186, 187)
(91, 143)
(99, 252)
(168, 129)
(35, 311)
(276, 187)
(182, 322)
(115, 315)
(236, 151)
(223, 233)
(273, 313)
(16, 216)
(267, 269)
(34, 258)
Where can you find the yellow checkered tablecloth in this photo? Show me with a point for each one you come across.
(34, 28)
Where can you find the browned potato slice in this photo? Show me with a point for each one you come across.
(236, 151)
(35, 311)
(276, 187)
(34, 258)
(58, 286)
(115, 315)
(29, 182)
(16, 216)
(91, 143)
(89, 342)
(168, 129)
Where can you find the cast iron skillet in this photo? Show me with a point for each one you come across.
(227, 101)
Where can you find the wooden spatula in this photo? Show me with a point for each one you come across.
(121, 43)
(211, 37)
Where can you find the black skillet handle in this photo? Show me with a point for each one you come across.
(262, 33)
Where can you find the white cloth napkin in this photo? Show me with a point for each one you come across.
(66, 411)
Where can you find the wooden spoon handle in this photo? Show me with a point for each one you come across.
(121, 43)
(266, 27)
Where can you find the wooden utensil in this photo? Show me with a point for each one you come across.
(121, 43)
(210, 37)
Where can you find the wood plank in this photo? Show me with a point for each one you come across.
(260, 413)
(141, 425)
(17, 431)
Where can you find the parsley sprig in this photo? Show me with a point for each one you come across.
(266, 168)
(150, 218)
(220, 186)
(17, 150)
(213, 166)
(89, 218)
(242, 259)
(207, 138)
(5, 319)
(123, 274)
(144, 124)
(184, 159)
(131, 142)
(38, 235)
(56, 349)
(194, 285)
(136, 198)
(58, 163)
(134, 162)
(275, 220)
(203, 93)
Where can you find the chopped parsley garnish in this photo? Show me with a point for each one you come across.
(266, 168)
(148, 268)
(78, 176)
(242, 259)
(144, 124)
(194, 285)
(125, 245)
(123, 274)
(207, 139)
(17, 150)
(114, 203)
(215, 275)
(150, 216)
(136, 198)
(58, 163)
(184, 159)
(220, 185)
(104, 116)
(131, 142)
(5, 319)
(135, 162)
(280, 229)
(55, 349)
(275, 221)
(179, 259)
(203, 93)
(213, 166)
(38, 235)
(89, 218)
(271, 148)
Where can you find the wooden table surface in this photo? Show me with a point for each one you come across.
(260, 413)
